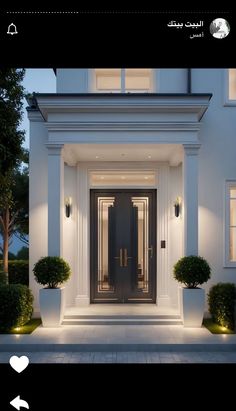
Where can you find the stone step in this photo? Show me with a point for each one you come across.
(121, 321)
(122, 316)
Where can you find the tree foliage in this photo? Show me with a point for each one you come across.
(11, 106)
(11, 152)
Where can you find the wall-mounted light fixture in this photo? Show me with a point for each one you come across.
(68, 206)
(177, 206)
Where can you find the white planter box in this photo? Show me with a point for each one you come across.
(193, 306)
(52, 306)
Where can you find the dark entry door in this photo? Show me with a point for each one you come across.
(123, 246)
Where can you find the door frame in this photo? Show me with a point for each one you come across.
(93, 233)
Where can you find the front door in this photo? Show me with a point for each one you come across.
(123, 246)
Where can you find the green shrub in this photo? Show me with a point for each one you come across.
(23, 254)
(192, 271)
(221, 299)
(18, 272)
(16, 306)
(51, 271)
(3, 279)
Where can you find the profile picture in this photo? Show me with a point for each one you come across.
(219, 28)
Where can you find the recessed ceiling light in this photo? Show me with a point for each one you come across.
(146, 177)
(123, 177)
(102, 177)
(149, 156)
(96, 156)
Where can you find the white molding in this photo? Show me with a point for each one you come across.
(123, 126)
(82, 300)
(54, 149)
(162, 180)
(35, 116)
(164, 301)
(112, 103)
(191, 149)
(174, 136)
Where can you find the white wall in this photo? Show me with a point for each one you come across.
(38, 233)
(72, 80)
(216, 163)
(70, 233)
(171, 80)
(82, 80)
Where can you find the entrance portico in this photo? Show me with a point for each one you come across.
(86, 136)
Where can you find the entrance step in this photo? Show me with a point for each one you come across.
(122, 320)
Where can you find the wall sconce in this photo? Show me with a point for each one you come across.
(177, 206)
(68, 206)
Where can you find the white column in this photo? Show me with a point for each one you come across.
(190, 201)
(55, 199)
(83, 293)
(163, 277)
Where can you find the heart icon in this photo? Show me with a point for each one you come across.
(19, 364)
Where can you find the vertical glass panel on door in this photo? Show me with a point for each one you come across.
(143, 250)
(105, 220)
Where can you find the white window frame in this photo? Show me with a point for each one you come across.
(227, 100)
(227, 262)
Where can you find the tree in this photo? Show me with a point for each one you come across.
(11, 151)
(18, 224)
(23, 254)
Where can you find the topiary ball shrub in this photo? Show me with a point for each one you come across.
(192, 271)
(16, 306)
(51, 271)
(221, 299)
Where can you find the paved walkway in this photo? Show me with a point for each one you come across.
(124, 357)
(122, 335)
(120, 344)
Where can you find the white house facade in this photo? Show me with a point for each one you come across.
(131, 169)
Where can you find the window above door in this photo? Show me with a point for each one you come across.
(230, 87)
(123, 80)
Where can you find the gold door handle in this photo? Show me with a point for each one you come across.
(126, 258)
(151, 249)
(120, 258)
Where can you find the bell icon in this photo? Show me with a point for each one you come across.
(12, 29)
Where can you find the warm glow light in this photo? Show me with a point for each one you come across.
(123, 177)
(149, 156)
(17, 329)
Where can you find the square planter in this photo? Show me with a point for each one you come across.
(193, 306)
(52, 306)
